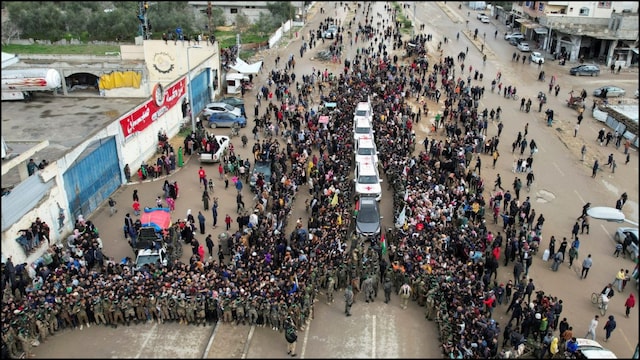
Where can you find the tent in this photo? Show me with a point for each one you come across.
(158, 218)
(242, 67)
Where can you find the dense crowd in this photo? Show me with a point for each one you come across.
(441, 246)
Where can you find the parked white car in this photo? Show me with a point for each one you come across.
(513, 35)
(485, 19)
(215, 156)
(220, 107)
(536, 57)
(523, 46)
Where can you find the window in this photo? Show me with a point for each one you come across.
(604, 4)
(584, 11)
(233, 10)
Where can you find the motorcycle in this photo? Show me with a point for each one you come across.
(235, 130)
(575, 102)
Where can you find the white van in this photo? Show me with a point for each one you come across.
(367, 179)
(362, 126)
(366, 149)
(364, 109)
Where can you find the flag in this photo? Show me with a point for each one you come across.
(357, 209)
(401, 218)
(334, 201)
(383, 244)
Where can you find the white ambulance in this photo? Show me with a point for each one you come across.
(367, 179)
(366, 149)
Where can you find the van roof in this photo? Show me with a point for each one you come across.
(362, 121)
(366, 141)
(363, 105)
(367, 167)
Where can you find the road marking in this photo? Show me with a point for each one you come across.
(373, 339)
(213, 335)
(631, 348)
(144, 344)
(246, 345)
(560, 171)
(611, 237)
(578, 194)
(306, 337)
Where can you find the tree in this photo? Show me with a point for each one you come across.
(281, 11)
(9, 32)
(242, 22)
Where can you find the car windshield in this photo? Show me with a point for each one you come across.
(363, 130)
(147, 259)
(228, 107)
(368, 215)
(362, 112)
(367, 179)
(365, 151)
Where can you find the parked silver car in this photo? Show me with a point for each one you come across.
(622, 233)
(612, 91)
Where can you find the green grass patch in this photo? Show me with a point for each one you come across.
(228, 38)
(402, 18)
(87, 49)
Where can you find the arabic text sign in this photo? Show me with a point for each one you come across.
(142, 117)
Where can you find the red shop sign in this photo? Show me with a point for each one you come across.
(163, 100)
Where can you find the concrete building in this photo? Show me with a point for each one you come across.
(251, 9)
(88, 136)
(604, 32)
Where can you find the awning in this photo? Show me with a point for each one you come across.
(540, 30)
(242, 67)
(635, 51)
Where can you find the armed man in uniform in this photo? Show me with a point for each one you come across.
(118, 316)
(52, 318)
(227, 311)
(152, 309)
(42, 328)
(130, 313)
(388, 284)
(240, 311)
(107, 305)
(283, 312)
(98, 310)
(265, 311)
(172, 305)
(9, 338)
(348, 300)
(331, 287)
(190, 310)
(200, 310)
(252, 311)
(163, 312)
(138, 305)
(181, 308)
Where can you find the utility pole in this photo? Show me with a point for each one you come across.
(209, 13)
(144, 27)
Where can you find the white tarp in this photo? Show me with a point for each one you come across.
(9, 59)
(242, 67)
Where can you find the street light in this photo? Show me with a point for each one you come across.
(193, 119)
(609, 214)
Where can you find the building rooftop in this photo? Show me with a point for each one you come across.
(65, 122)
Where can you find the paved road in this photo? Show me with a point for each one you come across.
(562, 185)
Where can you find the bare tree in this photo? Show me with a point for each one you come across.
(10, 31)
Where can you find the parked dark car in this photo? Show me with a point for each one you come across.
(585, 69)
(234, 101)
(368, 217)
